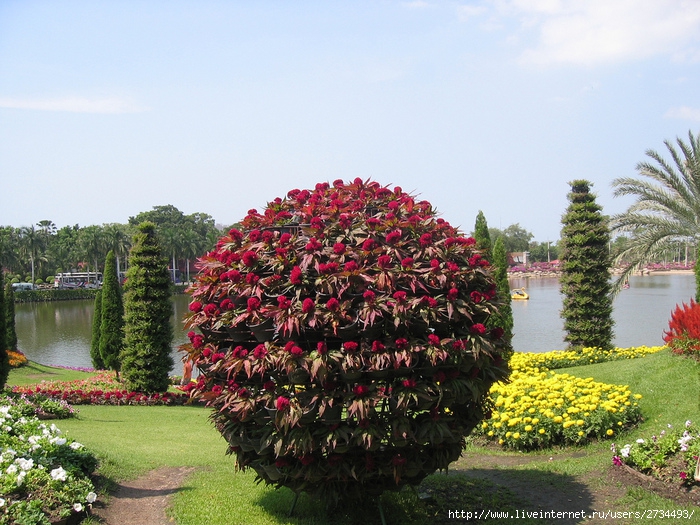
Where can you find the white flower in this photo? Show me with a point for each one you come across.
(20, 478)
(58, 441)
(625, 451)
(59, 474)
(76, 446)
(11, 469)
(25, 464)
(640, 441)
(2, 502)
(77, 507)
(688, 423)
(91, 497)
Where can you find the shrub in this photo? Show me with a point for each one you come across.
(374, 361)
(683, 334)
(16, 358)
(112, 316)
(46, 477)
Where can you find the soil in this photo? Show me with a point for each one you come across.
(144, 501)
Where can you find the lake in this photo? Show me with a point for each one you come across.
(58, 333)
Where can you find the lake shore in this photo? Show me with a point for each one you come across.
(552, 273)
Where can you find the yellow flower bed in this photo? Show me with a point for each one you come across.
(540, 408)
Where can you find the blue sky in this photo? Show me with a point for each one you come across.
(108, 108)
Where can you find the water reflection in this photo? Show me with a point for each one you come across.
(59, 333)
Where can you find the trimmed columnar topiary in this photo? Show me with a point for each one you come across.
(146, 359)
(342, 340)
(10, 326)
(4, 358)
(95, 355)
(585, 271)
(112, 319)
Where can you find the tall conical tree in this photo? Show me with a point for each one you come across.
(585, 277)
(95, 356)
(10, 328)
(504, 318)
(4, 358)
(482, 236)
(146, 358)
(112, 322)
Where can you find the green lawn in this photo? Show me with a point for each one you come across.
(131, 440)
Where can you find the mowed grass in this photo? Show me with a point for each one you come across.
(130, 440)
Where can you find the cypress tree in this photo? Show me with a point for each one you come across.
(504, 318)
(146, 357)
(112, 322)
(482, 236)
(4, 358)
(10, 329)
(585, 277)
(97, 362)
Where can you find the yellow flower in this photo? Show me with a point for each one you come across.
(609, 432)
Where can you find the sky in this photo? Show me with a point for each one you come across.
(108, 108)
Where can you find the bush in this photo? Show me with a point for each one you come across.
(374, 361)
(683, 334)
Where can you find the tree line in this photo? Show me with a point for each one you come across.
(37, 252)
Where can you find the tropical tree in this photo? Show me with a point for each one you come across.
(585, 271)
(112, 321)
(31, 245)
(95, 339)
(666, 210)
(10, 328)
(91, 239)
(481, 235)
(146, 358)
(504, 317)
(117, 238)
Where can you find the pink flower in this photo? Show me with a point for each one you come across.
(617, 461)
(683, 476)
(282, 403)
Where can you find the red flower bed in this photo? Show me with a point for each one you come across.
(342, 339)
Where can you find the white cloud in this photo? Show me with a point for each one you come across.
(467, 12)
(595, 32)
(684, 113)
(111, 105)
(417, 4)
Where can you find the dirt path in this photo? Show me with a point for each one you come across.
(143, 501)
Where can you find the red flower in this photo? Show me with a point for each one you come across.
(368, 245)
(407, 262)
(306, 459)
(393, 236)
(409, 383)
(215, 358)
(400, 296)
(478, 329)
(308, 305)
(283, 302)
(322, 348)
(197, 341)
(296, 351)
(431, 301)
(384, 261)
(452, 294)
(433, 340)
(378, 346)
(351, 266)
(281, 462)
(254, 236)
(252, 278)
(333, 305)
(426, 240)
(360, 390)
(434, 265)
(313, 245)
(369, 296)
(210, 309)
(401, 343)
(216, 390)
(339, 248)
(195, 306)
(345, 220)
(285, 238)
(350, 346)
(253, 304)
(227, 304)
(235, 234)
(282, 403)
(249, 258)
(497, 332)
(295, 275)
(476, 296)
(260, 352)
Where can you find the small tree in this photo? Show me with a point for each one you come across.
(4, 359)
(146, 357)
(585, 278)
(504, 317)
(481, 235)
(95, 341)
(10, 329)
(112, 321)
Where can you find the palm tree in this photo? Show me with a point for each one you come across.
(118, 240)
(667, 206)
(31, 245)
(91, 243)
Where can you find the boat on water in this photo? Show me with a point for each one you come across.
(519, 294)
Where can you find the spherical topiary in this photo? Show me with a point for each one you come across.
(342, 342)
